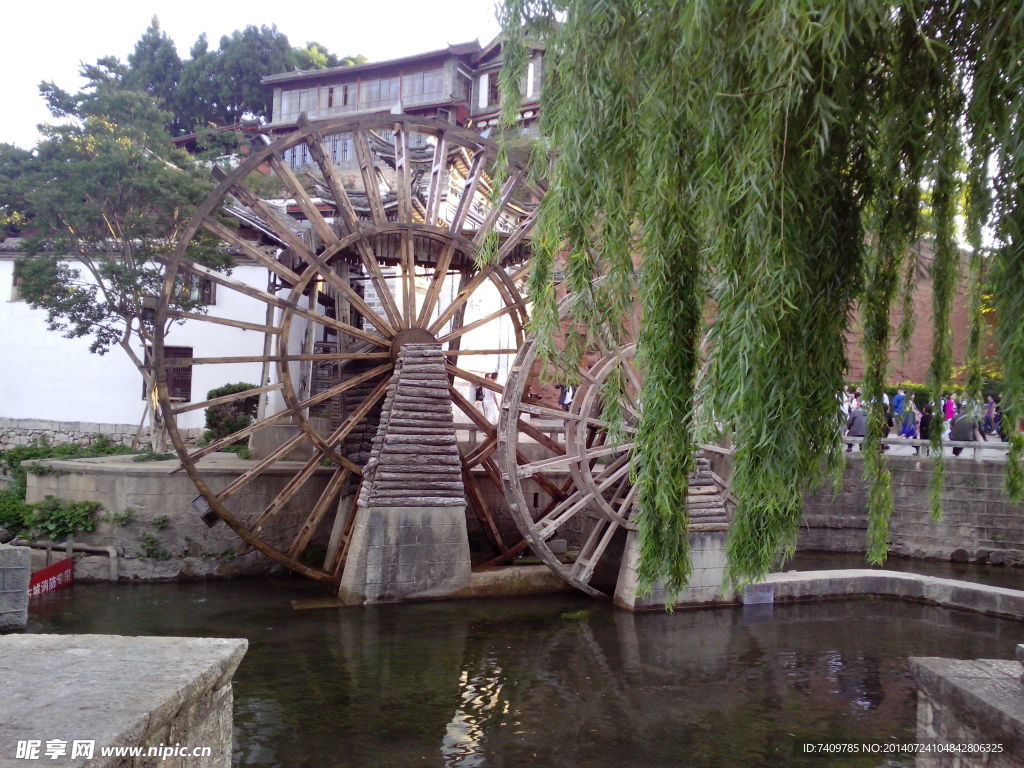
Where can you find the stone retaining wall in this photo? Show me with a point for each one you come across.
(976, 704)
(15, 432)
(148, 518)
(979, 523)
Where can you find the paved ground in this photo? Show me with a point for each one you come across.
(997, 451)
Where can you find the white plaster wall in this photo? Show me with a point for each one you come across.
(46, 376)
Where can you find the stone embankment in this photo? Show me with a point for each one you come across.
(149, 520)
(79, 696)
(978, 524)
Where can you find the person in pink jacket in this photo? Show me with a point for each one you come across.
(950, 407)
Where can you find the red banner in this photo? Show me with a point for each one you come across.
(52, 577)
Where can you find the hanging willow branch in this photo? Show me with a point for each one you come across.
(775, 167)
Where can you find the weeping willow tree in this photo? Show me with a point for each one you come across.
(776, 167)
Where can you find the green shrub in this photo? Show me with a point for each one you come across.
(151, 548)
(52, 518)
(227, 418)
(56, 519)
(161, 522)
(14, 511)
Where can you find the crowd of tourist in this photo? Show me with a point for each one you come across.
(961, 419)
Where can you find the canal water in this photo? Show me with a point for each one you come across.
(552, 681)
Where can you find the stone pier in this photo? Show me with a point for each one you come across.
(409, 539)
(975, 708)
(15, 569)
(157, 701)
(709, 525)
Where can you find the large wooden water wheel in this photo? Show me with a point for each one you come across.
(371, 230)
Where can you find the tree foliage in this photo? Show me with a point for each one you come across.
(107, 196)
(770, 162)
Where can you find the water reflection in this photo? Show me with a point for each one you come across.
(557, 681)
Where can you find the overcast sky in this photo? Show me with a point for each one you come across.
(49, 41)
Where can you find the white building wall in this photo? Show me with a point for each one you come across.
(46, 376)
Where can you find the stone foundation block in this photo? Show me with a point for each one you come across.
(707, 557)
(15, 570)
(406, 553)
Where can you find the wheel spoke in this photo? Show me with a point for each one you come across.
(478, 504)
(558, 462)
(476, 172)
(316, 516)
(440, 273)
(518, 236)
(437, 175)
(504, 198)
(226, 398)
(459, 301)
(478, 380)
(284, 304)
(326, 234)
(477, 323)
(343, 203)
(223, 321)
(592, 550)
(546, 527)
(263, 259)
(364, 156)
(285, 495)
(304, 201)
(252, 473)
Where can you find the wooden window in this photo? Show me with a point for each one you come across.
(179, 378)
(493, 95)
(420, 87)
(383, 92)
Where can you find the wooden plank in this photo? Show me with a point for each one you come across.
(281, 358)
(199, 317)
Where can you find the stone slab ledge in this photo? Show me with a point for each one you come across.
(949, 593)
(116, 691)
